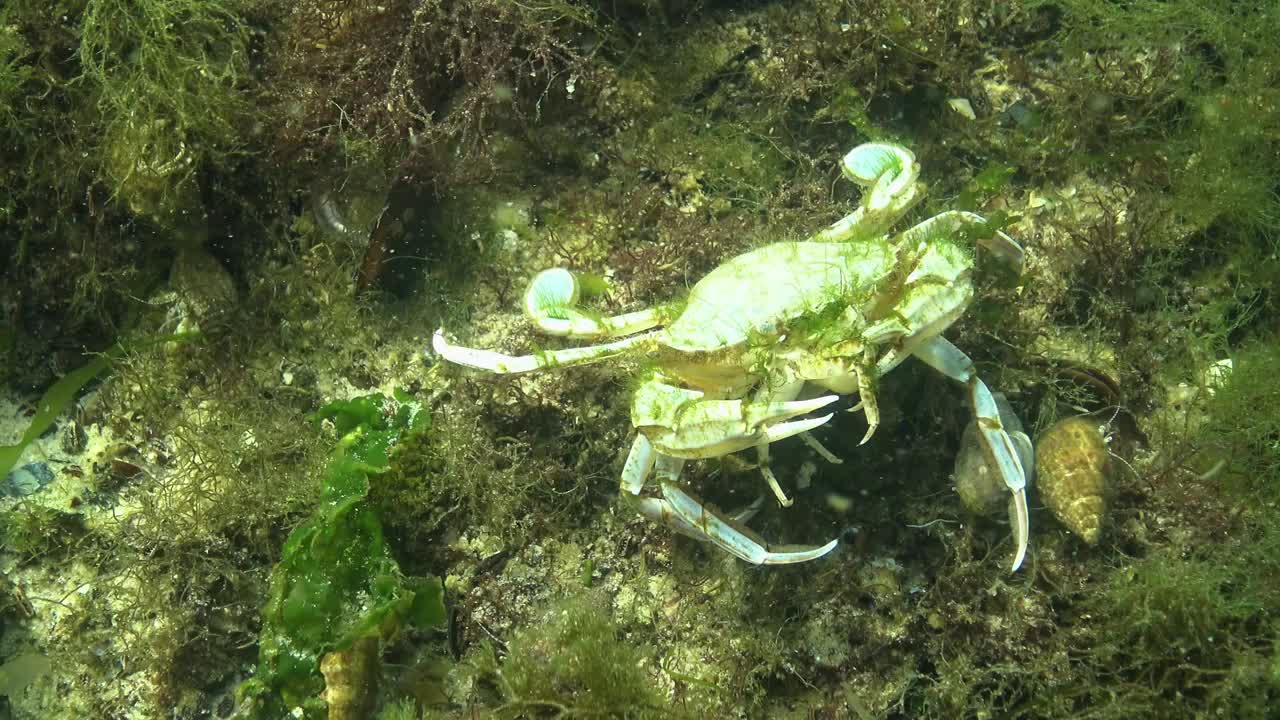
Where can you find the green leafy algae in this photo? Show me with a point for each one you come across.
(337, 582)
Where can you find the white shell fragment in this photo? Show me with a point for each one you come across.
(962, 106)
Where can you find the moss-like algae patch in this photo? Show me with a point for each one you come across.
(570, 663)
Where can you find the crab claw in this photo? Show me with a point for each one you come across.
(683, 423)
(1004, 455)
(1002, 450)
(889, 173)
(551, 302)
(889, 170)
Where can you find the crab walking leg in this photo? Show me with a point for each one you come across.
(730, 535)
(821, 449)
(503, 364)
(744, 515)
(784, 431)
(1006, 454)
(1001, 450)
(867, 395)
(782, 393)
(551, 304)
(762, 459)
(684, 513)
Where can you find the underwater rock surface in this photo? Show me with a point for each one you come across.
(26, 480)
(307, 190)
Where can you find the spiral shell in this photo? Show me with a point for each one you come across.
(1073, 471)
(351, 679)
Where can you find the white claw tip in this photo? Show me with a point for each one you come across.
(871, 430)
(1021, 529)
(438, 342)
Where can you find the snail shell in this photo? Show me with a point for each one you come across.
(351, 679)
(1073, 470)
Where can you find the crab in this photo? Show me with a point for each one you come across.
(737, 366)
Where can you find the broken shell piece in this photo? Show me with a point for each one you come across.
(1073, 468)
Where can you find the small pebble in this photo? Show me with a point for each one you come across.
(26, 480)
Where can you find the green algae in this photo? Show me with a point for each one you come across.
(168, 75)
(62, 393)
(33, 532)
(1190, 632)
(337, 581)
(1243, 429)
(14, 73)
(1201, 110)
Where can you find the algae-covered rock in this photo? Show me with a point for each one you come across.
(573, 661)
(1074, 475)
